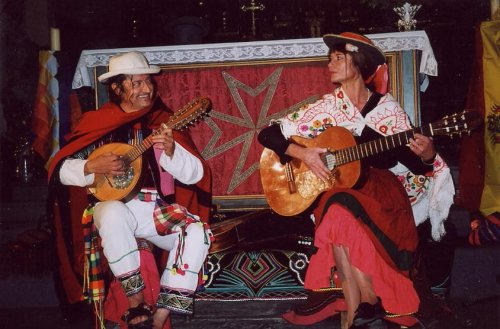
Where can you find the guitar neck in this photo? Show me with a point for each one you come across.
(367, 149)
(140, 148)
(180, 120)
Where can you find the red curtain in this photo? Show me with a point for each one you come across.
(245, 98)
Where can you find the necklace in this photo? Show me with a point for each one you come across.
(369, 93)
(363, 104)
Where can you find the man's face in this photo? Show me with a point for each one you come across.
(137, 93)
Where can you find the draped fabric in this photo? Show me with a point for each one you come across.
(490, 35)
(245, 98)
(45, 119)
(479, 179)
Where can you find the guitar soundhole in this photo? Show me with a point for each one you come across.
(123, 181)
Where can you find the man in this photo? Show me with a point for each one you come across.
(171, 205)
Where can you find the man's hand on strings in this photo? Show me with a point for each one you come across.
(165, 141)
(107, 164)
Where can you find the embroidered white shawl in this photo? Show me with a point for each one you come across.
(431, 196)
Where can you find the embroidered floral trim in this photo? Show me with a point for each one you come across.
(415, 185)
(351, 47)
(439, 165)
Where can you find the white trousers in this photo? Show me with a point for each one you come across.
(119, 225)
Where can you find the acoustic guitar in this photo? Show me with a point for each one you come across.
(118, 187)
(291, 188)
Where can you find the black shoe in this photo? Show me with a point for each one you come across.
(367, 313)
(376, 324)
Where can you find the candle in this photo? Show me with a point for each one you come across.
(55, 39)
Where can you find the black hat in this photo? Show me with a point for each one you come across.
(355, 42)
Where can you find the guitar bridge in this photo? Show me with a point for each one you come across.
(333, 176)
(290, 178)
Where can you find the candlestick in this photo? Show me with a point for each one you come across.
(55, 39)
(494, 9)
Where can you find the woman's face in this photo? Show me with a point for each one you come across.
(137, 93)
(342, 68)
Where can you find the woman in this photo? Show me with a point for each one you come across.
(366, 235)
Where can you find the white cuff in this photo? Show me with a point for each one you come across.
(183, 166)
(72, 173)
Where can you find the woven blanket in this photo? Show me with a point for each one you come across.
(252, 275)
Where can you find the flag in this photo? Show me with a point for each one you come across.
(490, 200)
(479, 163)
(45, 118)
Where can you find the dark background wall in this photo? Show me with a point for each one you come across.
(97, 24)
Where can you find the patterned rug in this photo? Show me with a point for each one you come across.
(237, 275)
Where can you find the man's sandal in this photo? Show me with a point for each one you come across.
(139, 311)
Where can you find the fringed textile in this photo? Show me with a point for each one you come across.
(93, 284)
(169, 217)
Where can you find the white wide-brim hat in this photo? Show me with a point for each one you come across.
(133, 62)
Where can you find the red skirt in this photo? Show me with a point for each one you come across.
(376, 224)
(394, 288)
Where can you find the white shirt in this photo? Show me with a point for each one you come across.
(183, 166)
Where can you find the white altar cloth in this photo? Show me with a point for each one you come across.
(249, 51)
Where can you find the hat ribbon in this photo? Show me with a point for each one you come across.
(380, 79)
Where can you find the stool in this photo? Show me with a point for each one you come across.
(475, 273)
